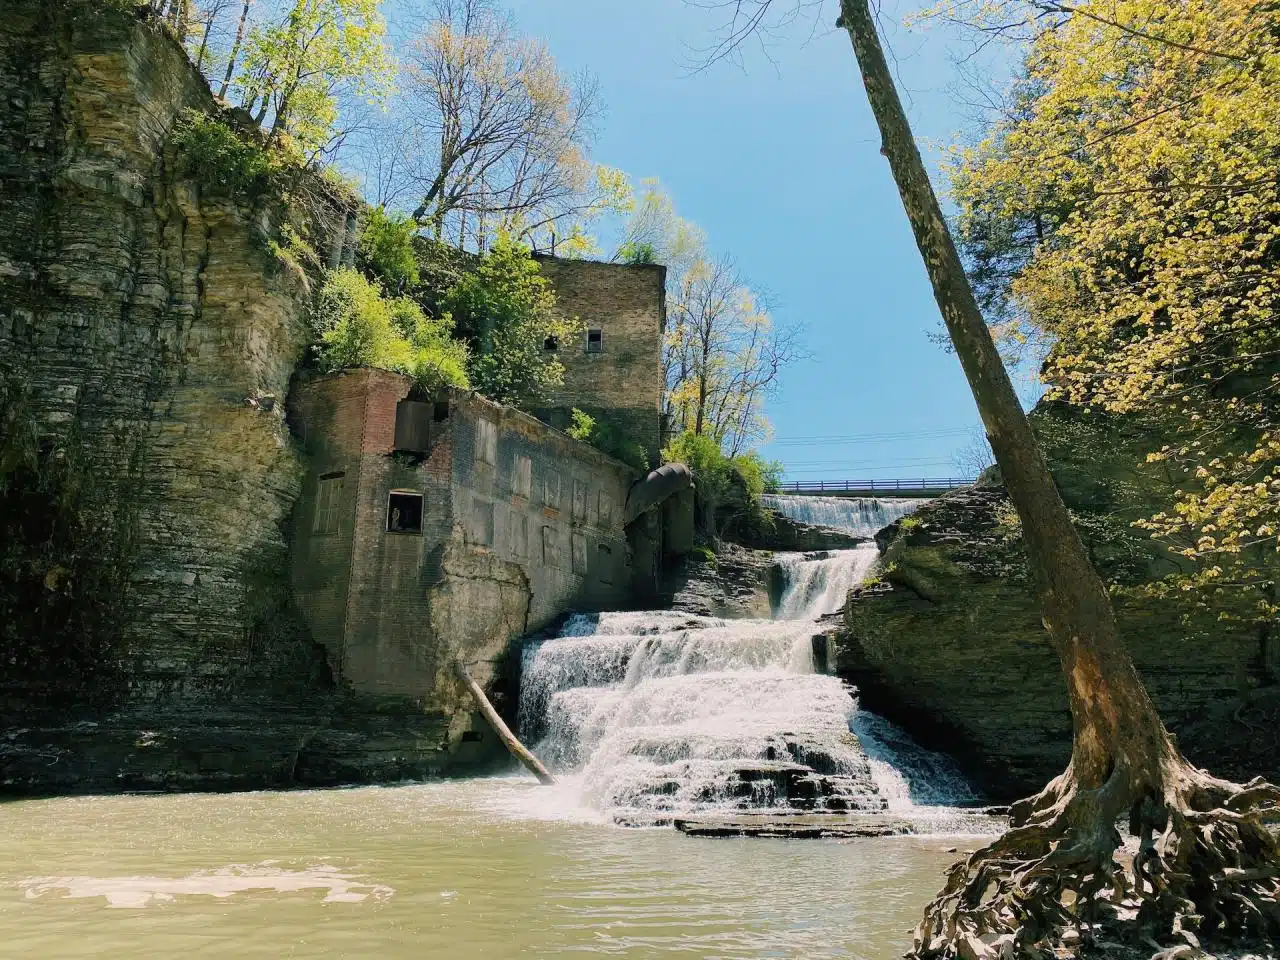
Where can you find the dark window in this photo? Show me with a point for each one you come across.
(472, 736)
(595, 341)
(404, 512)
(551, 344)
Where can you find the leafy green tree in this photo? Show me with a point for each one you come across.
(360, 327)
(295, 68)
(1126, 215)
(386, 249)
(507, 312)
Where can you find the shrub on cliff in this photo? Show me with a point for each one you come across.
(386, 249)
(359, 326)
(223, 161)
(607, 437)
(506, 311)
(730, 490)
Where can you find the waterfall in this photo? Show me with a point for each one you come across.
(817, 583)
(655, 714)
(863, 516)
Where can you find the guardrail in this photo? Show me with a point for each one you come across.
(906, 488)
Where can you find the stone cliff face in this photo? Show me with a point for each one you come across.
(148, 335)
(147, 340)
(947, 641)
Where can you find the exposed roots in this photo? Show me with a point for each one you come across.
(1200, 861)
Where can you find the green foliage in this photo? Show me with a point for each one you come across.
(359, 326)
(1125, 213)
(583, 427)
(607, 437)
(224, 162)
(386, 249)
(705, 554)
(637, 252)
(295, 68)
(506, 310)
(712, 470)
(731, 488)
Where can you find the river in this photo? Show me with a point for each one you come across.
(481, 868)
(646, 717)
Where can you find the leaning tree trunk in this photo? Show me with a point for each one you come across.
(1205, 856)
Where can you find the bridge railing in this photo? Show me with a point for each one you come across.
(941, 484)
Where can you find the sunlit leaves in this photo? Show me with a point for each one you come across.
(1127, 211)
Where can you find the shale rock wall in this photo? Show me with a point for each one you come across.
(947, 639)
(148, 336)
(147, 333)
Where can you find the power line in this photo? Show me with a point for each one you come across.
(874, 437)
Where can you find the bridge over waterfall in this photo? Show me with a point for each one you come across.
(872, 488)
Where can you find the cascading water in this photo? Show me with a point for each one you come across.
(862, 516)
(653, 714)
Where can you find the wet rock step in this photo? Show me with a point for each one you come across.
(832, 825)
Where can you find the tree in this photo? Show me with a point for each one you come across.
(1204, 857)
(1126, 214)
(499, 138)
(295, 68)
(722, 355)
(507, 311)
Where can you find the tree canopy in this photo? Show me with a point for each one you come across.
(1126, 212)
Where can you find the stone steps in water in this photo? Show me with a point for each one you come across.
(819, 825)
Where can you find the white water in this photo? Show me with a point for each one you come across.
(862, 516)
(650, 714)
(818, 583)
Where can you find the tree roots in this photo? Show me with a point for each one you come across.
(1199, 861)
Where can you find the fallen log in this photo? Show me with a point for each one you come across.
(518, 749)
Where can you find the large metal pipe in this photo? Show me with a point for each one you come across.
(668, 479)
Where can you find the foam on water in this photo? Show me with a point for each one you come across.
(661, 713)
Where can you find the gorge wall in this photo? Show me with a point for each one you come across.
(147, 337)
(947, 639)
(149, 331)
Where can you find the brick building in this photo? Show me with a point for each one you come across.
(614, 371)
(432, 529)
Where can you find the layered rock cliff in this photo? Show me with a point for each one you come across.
(148, 335)
(947, 639)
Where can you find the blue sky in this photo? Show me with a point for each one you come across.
(779, 163)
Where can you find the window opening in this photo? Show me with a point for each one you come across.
(404, 512)
(440, 411)
(522, 478)
(595, 340)
(486, 441)
(328, 501)
(551, 490)
(551, 344)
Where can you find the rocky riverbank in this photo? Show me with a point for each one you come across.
(946, 638)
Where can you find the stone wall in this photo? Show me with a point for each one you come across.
(623, 382)
(947, 641)
(519, 524)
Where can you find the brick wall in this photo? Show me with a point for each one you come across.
(622, 382)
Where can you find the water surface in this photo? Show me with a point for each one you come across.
(485, 868)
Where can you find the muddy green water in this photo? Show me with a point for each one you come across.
(485, 868)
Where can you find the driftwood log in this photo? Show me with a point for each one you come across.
(518, 749)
